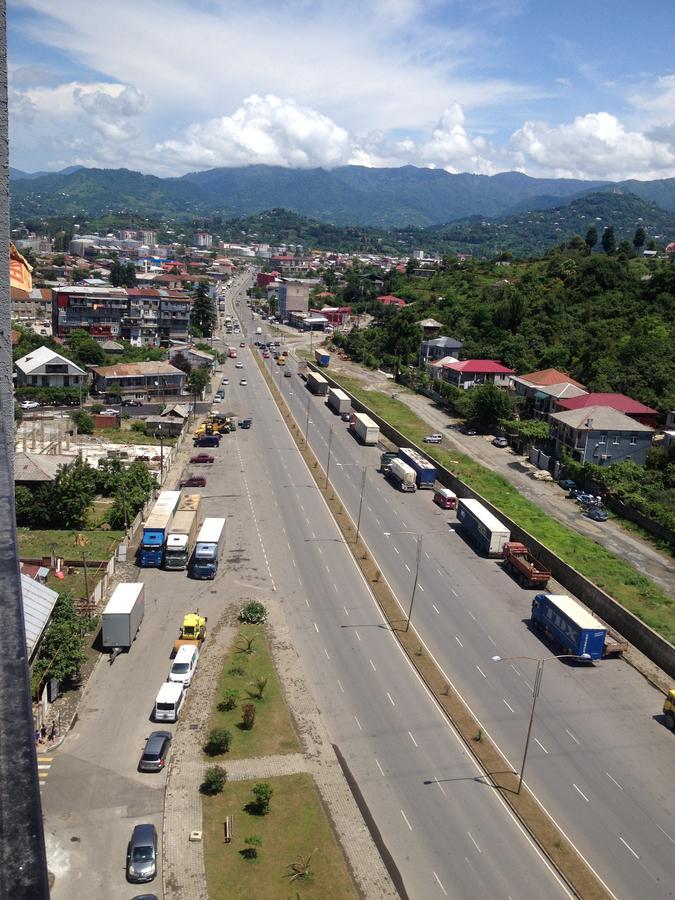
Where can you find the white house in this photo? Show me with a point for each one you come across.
(47, 368)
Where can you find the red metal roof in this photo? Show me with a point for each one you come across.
(479, 367)
(391, 300)
(550, 376)
(620, 402)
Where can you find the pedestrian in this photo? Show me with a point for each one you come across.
(43, 733)
(54, 733)
(37, 735)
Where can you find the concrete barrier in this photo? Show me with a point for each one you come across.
(617, 617)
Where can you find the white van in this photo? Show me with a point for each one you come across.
(184, 665)
(169, 702)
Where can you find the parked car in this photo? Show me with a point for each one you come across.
(201, 458)
(243, 381)
(467, 429)
(500, 442)
(567, 484)
(225, 381)
(266, 354)
(287, 373)
(109, 412)
(246, 423)
(142, 854)
(433, 439)
(585, 499)
(239, 365)
(156, 752)
(193, 481)
(284, 352)
(132, 403)
(597, 513)
(242, 344)
(30, 404)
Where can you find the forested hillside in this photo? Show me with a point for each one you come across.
(610, 323)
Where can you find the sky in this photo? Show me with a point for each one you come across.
(565, 90)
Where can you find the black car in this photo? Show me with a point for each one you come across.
(142, 854)
(156, 751)
(132, 403)
(246, 423)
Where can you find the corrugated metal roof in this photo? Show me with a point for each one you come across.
(38, 603)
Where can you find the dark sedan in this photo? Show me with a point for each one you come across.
(156, 752)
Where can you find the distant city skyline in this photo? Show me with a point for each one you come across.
(569, 90)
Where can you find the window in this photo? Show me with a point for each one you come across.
(615, 440)
(603, 439)
(633, 440)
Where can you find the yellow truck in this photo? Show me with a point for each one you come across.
(669, 710)
(192, 632)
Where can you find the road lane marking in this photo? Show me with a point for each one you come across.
(581, 792)
(407, 567)
(320, 550)
(537, 741)
(491, 641)
(327, 569)
(337, 590)
(515, 670)
(472, 615)
(439, 572)
(380, 768)
(435, 608)
(629, 847)
(575, 739)
(420, 587)
(346, 610)
(358, 723)
(665, 832)
(326, 652)
(412, 739)
(340, 685)
(481, 671)
(508, 704)
(398, 551)
(441, 788)
(357, 634)
(405, 818)
(440, 884)
(391, 699)
(427, 555)
(454, 592)
(317, 627)
(403, 523)
(458, 641)
(306, 602)
(377, 520)
(614, 780)
(473, 841)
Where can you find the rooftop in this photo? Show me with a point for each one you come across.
(37, 467)
(38, 603)
(598, 418)
(128, 370)
(549, 376)
(40, 357)
(620, 402)
(479, 367)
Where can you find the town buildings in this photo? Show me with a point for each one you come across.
(152, 381)
(45, 368)
(600, 435)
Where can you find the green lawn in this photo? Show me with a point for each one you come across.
(127, 436)
(273, 731)
(296, 825)
(633, 590)
(100, 544)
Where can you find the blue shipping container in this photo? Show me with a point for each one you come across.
(569, 625)
(425, 470)
(322, 358)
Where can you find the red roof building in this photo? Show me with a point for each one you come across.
(471, 372)
(551, 376)
(391, 300)
(619, 402)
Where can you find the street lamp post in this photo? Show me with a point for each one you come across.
(418, 557)
(363, 488)
(330, 441)
(535, 693)
(307, 420)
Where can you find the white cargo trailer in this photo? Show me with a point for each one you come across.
(365, 429)
(123, 615)
(338, 401)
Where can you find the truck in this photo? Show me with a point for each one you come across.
(156, 528)
(385, 460)
(482, 528)
(402, 475)
(123, 615)
(317, 384)
(338, 401)
(572, 628)
(520, 563)
(322, 358)
(192, 632)
(184, 527)
(365, 429)
(425, 471)
(207, 549)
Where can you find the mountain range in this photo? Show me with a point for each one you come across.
(349, 195)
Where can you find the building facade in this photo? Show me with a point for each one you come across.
(294, 295)
(600, 435)
(152, 381)
(44, 368)
(436, 348)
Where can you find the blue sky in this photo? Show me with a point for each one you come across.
(558, 90)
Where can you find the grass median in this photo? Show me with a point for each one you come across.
(247, 661)
(295, 828)
(635, 591)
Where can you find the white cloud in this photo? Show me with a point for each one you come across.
(452, 148)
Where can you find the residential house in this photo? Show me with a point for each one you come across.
(203, 239)
(307, 322)
(169, 427)
(472, 372)
(265, 278)
(45, 368)
(336, 315)
(198, 359)
(433, 349)
(435, 369)
(430, 328)
(291, 265)
(600, 435)
(152, 381)
(542, 389)
(33, 469)
(620, 402)
(391, 300)
(38, 604)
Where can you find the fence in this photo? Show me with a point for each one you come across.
(640, 635)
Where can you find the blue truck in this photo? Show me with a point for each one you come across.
(572, 628)
(156, 529)
(425, 471)
(322, 358)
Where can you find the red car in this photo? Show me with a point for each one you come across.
(193, 481)
(201, 458)
(266, 354)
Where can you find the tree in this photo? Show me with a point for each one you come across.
(591, 238)
(83, 421)
(130, 275)
(262, 791)
(69, 496)
(608, 240)
(202, 310)
(23, 505)
(488, 404)
(61, 653)
(197, 380)
(217, 742)
(639, 239)
(85, 349)
(180, 361)
(214, 781)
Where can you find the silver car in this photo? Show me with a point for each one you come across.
(142, 854)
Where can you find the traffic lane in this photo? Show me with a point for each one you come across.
(335, 642)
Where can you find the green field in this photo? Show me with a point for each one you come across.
(619, 579)
(295, 825)
(99, 544)
(273, 731)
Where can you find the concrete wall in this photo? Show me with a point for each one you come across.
(619, 619)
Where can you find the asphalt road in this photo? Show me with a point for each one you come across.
(600, 758)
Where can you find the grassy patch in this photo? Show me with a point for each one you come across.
(99, 544)
(633, 590)
(99, 512)
(127, 436)
(296, 825)
(273, 730)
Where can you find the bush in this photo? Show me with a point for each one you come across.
(248, 717)
(253, 613)
(138, 427)
(214, 781)
(251, 849)
(236, 670)
(83, 421)
(229, 701)
(217, 742)
(262, 791)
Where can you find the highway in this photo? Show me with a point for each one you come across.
(599, 761)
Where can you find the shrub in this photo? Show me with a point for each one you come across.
(262, 791)
(83, 421)
(261, 684)
(214, 780)
(229, 701)
(253, 613)
(251, 849)
(236, 670)
(138, 427)
(217, 742)
(248, 717)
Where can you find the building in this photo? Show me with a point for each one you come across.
(152, 381)
(542, 389)
(290, 265)
(265, 278)
(31, 306)
(45, 368)
(430, 328)
(140, 325)
(472, 372)
(294, 295)
(600, 435)
(203, 240)
(307, 322)
(436, 348)
(391, 300)
(620, 402)
(336, 315)
(198, 359)
(98, 310)
(38, 604)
